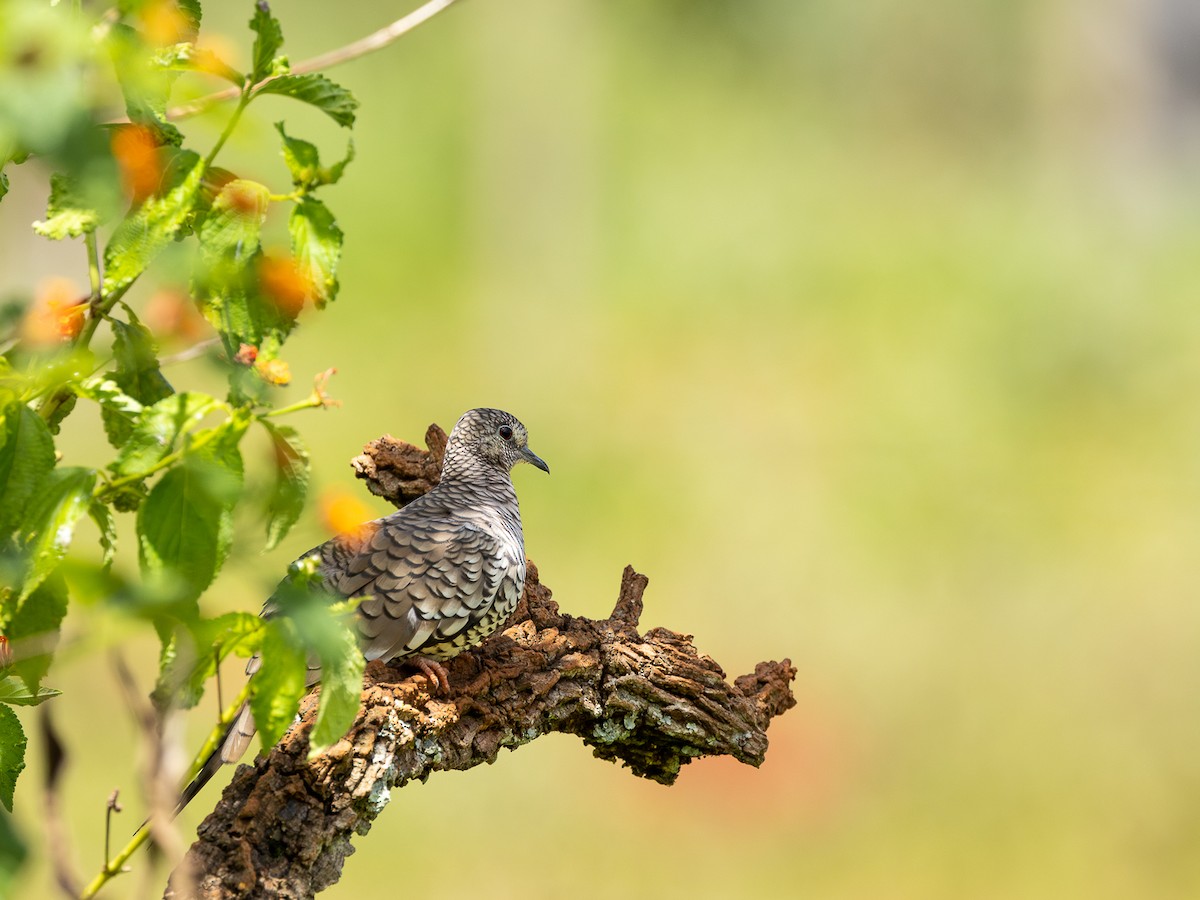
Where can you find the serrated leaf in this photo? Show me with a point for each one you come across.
(291, 482)
(12, 754)
(279, 683)
(26, 457)
(15, 692)
(145, 87)
(50, 520)
(185, 525)
(324, 629)
(136, 357)
(108, 394)
(342, 667)
(268, 38)
(158, 429)
(227, 277)
(137, 374)
(67, 213)
(232, 227)
(315, 90)
(103, 518)
(146, 231)
(317, 247)
(12, 854)
(187, 57)
(304, 162)
(33, 631)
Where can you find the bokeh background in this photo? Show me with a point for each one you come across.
(869, 331)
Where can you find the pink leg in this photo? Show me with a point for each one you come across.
(435, 672)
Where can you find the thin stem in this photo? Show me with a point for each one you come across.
(169, 460)
(197, 349)
(98, 308)
(310, 402)
(246, 93)
(116, 864)
(93, 253)
(369, 44)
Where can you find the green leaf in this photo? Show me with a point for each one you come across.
(304, 162)
(12, 855)
(342, 667)
(137, 374)
(26, 457)
(227, 280)
(12, 754)
(181, 681)
(145, 86)
(136, 356)
(317, 247)
(15, 692)
(118, 411)
(33, 631)
(187, 57)
(324, 629)
(185, 525)
(291, 481)
(50, 521)
(233, 225)
(158, 429)
(67, 214)
(108, 394)
(268, 38)
(280, 682)
(103, 518)
(315, 90)
(144, 233)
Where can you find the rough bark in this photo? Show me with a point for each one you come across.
(653, 702)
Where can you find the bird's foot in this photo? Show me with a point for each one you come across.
(437, 674)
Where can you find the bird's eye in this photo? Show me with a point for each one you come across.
(506, 432)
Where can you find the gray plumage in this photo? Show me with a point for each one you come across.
(439, 575)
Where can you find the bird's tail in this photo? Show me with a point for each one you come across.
(232, 747)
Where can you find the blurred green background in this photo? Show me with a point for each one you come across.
(868, 331)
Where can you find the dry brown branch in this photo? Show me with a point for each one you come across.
(283, 826)
(57, 836)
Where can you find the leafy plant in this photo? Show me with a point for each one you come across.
(134, 193)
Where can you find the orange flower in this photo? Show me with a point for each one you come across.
(162, 22)
(137, 156)
(170, 313)
(274, 371)
(345, 515)
(6, 654)
(283, 284)
(56, 315)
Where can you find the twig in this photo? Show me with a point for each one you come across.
(109, 808)
(188, 353)
(93, 255)
(159, 781)
(369, 44)
(115, 865)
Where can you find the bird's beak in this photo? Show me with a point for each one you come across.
(534, 459)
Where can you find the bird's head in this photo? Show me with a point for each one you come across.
(488, 437)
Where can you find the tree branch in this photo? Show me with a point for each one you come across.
(376, 40)
(653, 702)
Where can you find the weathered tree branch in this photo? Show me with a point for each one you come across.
(283, 826)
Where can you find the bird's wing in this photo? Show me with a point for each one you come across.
(423, 581)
